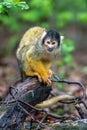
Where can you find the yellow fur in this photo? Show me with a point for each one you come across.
(30, 38)
(33, 64)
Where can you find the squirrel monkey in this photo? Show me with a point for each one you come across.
(36, 52)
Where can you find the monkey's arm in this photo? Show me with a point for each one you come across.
(37, 69)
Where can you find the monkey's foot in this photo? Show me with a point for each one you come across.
(47, 81)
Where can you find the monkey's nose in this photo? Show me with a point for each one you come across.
(50, 49)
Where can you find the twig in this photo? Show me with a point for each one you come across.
(57, 79)
(47, 113)
(80, 111)
(40, 124)
(43, 119)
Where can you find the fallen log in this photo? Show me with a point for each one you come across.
(21, 99)
(30, 91)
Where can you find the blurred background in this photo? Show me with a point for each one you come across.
(69, 17)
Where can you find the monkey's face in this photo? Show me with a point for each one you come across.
(50, 45)
(51, 42)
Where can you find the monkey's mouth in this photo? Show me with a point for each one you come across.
(50, 49)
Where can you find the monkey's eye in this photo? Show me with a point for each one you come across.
(48, 42)
(54, 43)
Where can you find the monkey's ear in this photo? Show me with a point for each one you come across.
(61, 38)
(43, 35)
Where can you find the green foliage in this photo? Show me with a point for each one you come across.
(12, 4)
(64, 18)
(2, 9)
(19, 15)
(59, 86)
(82, 18)
(38, 13)
(66, 60)
(59, 111)
(47, 13)
(67, 49)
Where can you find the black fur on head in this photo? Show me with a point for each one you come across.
(53, 35)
